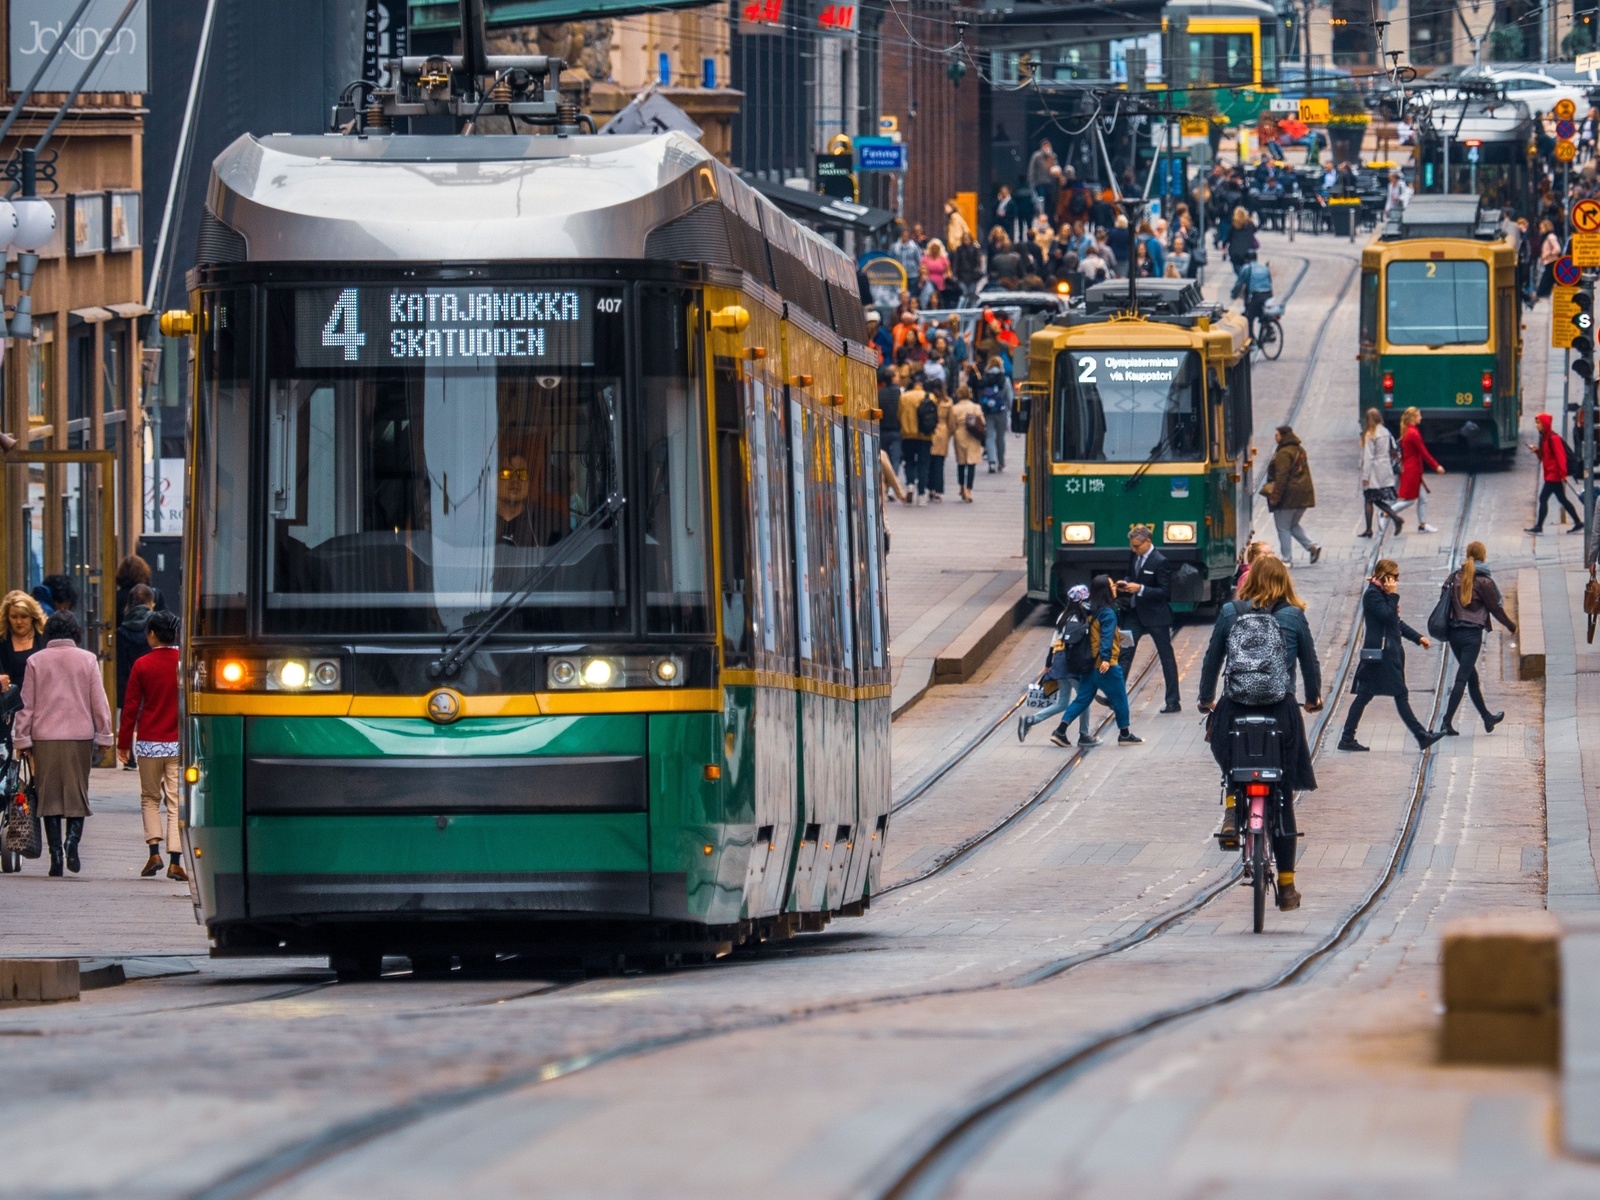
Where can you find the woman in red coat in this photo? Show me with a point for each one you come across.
(1552, 455)
(1414, 457)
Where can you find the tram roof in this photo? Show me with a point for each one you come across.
(514, 198)
(1259, 9)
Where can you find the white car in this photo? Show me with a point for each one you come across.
(1540, 91)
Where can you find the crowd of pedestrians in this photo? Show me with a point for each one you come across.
(63, 715)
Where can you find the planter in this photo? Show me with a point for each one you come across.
(1345, 141)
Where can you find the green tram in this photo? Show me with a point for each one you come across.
(536, 544)
(1139, 419)
(1441, 325)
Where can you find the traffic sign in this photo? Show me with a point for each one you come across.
(1562, 330)
(1566, 151)
(1586, 62)
(1195, 126)
(1566, 129)
(888, 124)
(1283, 104)
(880, 154)
(1566, 272)
(1314, 111)
(1585, 249)
(1586, 216)
(1564, 110)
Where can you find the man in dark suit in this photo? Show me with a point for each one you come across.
(1149, 589)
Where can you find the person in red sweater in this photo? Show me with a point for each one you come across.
(1413, 457)
(1552, 454)
(150, 714)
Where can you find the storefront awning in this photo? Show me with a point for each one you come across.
(91, 316)
(130, 311)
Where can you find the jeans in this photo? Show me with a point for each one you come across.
(1069, 685)
(994, 440)
(1402, 705)
(936, 473)
(1420, 502)
(1108, 682)
(1290, 531)
(1556, 491)
(1161, 635)
(966, 474)
(915, 451)
(891, 446)
(1465, 643)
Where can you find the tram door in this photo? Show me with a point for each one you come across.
(60, 518)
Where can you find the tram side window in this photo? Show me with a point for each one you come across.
(769, 481)
(1227, 58)
(1239, 412)
(866, 530)
(677, 557)
(735, 487)
(1437, 303)
(816, 535)
(1128, 406)
(222, 462)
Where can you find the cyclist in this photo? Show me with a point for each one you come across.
(1254, 283)
(1268, 589)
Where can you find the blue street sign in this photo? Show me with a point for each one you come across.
(880, 154)
(1566, 129)
(1566, 271)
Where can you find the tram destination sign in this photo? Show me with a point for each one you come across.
(441, 326)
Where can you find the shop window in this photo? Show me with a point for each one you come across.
(41, 372)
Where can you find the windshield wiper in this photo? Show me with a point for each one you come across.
(447, 664)
(1133, 480)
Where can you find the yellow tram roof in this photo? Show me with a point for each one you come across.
(1223, 338)
(1498, 253)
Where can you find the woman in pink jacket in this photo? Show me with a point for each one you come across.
(64, 716)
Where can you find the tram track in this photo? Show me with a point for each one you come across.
(934, 1167)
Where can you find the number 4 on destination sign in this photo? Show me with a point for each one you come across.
(344, 326)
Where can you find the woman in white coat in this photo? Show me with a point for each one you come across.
(1378, 449)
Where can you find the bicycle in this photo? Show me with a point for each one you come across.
(1267, 331)
(1256, 777)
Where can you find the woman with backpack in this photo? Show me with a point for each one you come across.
(919, 416)
(968, 424)
(1070, 660)
(1106, 678)
(1382, 671)
(1555, 463)
(1378, 452)
(1264, 637)
(1474, 599)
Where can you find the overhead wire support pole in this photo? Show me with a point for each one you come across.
(179, 159)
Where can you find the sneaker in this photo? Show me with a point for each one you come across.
(1128, 738)
(151, 865)
(1427, 529)
(1316, 553)
(1060, 739)
(176, 871)
(1288, 897)
(1350, 743)
(1022, 729)
(1088, 739)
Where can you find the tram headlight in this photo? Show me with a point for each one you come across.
(231, 672)
(1178, 532)
(667, 672)
(598, 672)
(1078, 532)
(302, 674)
(563, 673)
(236, 673)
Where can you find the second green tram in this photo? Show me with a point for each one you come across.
(1441, 325)
(1139, 420)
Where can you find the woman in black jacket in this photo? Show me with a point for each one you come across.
(1385, 675)
(1241, 239)
(1474, 599)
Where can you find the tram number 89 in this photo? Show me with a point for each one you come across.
(1466, 398)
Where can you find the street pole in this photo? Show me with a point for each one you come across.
(1588, 447)
(1566, 355)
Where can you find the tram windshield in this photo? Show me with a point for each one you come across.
(1129, 406)
(1437, 303)
(432, 451)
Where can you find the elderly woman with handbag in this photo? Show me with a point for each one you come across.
(65, 715)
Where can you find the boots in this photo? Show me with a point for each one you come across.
(52, 835)
(74, 836)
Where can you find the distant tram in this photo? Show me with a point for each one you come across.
(1441, 324)
(536, 546)
(1139, 419)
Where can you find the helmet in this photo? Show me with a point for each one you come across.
(1078, 593)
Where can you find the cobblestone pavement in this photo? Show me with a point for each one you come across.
(815, 1070)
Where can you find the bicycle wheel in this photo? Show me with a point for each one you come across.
(1271, 338)
(1258, 880)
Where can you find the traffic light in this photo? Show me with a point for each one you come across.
(1583, 342)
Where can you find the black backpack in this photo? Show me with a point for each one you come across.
(927, 416)
(1077, 646)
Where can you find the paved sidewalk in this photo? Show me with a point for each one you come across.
(107, 911)
(956, 575)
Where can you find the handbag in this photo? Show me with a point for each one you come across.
(1439, 618)
(22, 833)
(1591, 601)
(1373, 655)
